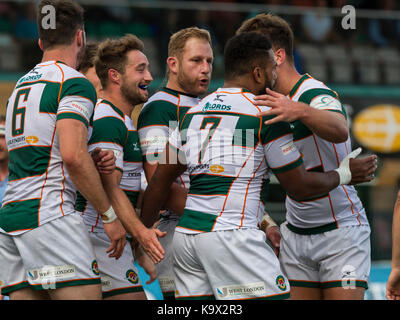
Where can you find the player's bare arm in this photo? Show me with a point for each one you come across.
(311, 184)
(157, 191)
(331, 126)
(73, 147)
(177, 194)
(147, 238)
(393, 283)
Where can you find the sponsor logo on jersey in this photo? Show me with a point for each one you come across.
(216, 107)
(82, 109)
(256, 289)
(288, 148)
(132, 276)
(216, 168)
(30, 78)
(280, 282)
(31, 139)
(95, 268)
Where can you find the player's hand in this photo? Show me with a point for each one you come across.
(363, 169)
(146, 263)
(274, 236)
(117, 234)
(148, 239)
(104, 160)
(393, 285)
(281, 106)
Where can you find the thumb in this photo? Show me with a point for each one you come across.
(354, 153)
(161, 234)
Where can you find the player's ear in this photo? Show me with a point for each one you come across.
(173, 65)
(114, 76)
(258, 75)
(280, 56)
(40, 43)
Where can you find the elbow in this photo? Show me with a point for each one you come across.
(71, 160)
(342, 134)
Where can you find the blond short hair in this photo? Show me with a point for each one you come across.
(178, 40)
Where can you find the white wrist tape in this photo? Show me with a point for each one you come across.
(344, 168)
(108, 216)
(267, 222)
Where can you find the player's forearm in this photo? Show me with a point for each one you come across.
(396, 234)
(86, 179)
(154, 198)
(313, 184)
(328, 125)
(176, 200)
(124, 210)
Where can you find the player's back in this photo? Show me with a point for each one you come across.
(39, 189)
(341, 206)
(225, 144)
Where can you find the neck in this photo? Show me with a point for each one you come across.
(115, 97)
(64, 54)
(241, 82)
(174, 85)
(287, 78)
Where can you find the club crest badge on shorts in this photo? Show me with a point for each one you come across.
(132, 276)
(95, 268)
(280, 282)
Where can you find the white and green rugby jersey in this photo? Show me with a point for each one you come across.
(39, 188)
(228, 151)
(114, 130)
(158, 119)
(341, 206)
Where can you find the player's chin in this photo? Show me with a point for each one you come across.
(202, 87)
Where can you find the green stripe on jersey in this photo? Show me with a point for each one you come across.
(308, 95)
(196, 220)
(273, 131)
(300, 130)
(109, 129)
(49, 98)
(132, 152)
(80, 203)
(206, 184)
(132, 196)
(289, 166)
(72, 115)
(158, 112)
(20, 215)
(28, 161)
(297, 85)
(79, 87)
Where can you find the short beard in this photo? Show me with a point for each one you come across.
(129, 96)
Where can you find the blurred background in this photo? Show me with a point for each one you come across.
(361, 63)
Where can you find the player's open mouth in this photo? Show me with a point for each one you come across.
(204, 81)
(143, 87)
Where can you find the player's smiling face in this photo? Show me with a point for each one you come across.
(195, 67)
(136, 78)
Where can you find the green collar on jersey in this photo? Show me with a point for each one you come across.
(114, 107)
(298, 84)
(177, 93)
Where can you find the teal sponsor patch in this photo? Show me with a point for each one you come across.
(216, 107)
